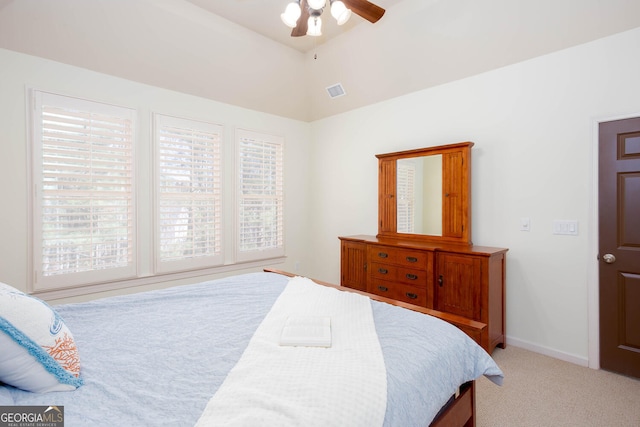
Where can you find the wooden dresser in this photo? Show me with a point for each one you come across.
(422, 254)
(465, 280)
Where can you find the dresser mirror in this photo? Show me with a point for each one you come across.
(425, 194)
(419, 195)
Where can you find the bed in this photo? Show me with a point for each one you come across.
(162, 357)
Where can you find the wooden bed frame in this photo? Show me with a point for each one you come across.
(461, 411)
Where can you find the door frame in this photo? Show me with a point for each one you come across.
(593, 276)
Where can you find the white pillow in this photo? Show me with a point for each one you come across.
(38, 353)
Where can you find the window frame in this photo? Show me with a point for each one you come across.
(142, 271)
(279, 249)
(39, 281)
(197, 262)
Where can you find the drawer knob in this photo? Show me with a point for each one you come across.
(383, 271)
(411, 295)
(383, 254)
(412, 277)
(383, 288)
(412, 259)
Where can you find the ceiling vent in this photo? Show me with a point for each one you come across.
(336, 90)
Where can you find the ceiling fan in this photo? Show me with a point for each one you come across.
(304, 15)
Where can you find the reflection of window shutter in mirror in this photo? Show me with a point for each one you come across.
(405, 190)
(452, 189)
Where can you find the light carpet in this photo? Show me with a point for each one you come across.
(542, 391)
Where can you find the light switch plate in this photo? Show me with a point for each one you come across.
(525, 224)
(565, 227)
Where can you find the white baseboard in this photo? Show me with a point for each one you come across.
(578, 360)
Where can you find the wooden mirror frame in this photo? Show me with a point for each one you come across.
(456, 194)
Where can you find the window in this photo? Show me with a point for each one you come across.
(99, 224)
(83, 218)
(259, 196)
(188, 194)
(406, 176)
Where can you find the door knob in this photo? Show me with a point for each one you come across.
(609, 258)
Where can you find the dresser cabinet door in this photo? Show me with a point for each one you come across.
(459, 285)
(353, 265)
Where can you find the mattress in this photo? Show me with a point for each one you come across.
(156, 358)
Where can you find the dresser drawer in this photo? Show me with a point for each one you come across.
(400, 292)
(399, 274)
(412, 259)
(383, 271)
(381, 254)
(418, 260)
(413, 277)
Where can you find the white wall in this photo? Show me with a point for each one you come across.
(418, 44)
(533, 125)
(171, 44)
(19, 71)
(424, 43)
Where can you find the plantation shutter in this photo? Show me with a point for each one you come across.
(260, 196)
(405, 176)
(84, 211)
(188, 194)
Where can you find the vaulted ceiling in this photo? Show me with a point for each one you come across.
(263, 17)
(239, 52)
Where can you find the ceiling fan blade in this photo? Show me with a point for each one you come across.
(303, 21)
(366, 9)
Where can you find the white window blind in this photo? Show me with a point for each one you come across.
(260, 196)
(188, 194)
(406, 175)
(83, 180)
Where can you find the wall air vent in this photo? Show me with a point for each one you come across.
(336, 90)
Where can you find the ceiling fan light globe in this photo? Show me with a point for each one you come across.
(340, 12)
(314, 27)
(337, 8)
(316, 4)
(288, 22)
(344, 17)
(291, 14)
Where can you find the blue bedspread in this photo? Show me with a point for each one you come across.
(156, 358)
